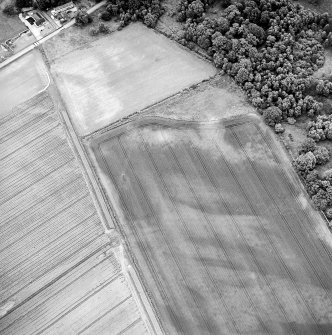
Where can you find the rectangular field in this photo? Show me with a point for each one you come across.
(121, 74)
(223, 235)
(20, 81)
(9, 26)
(58, 272)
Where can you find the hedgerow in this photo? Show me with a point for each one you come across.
(319, 188)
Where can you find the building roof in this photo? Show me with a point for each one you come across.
(39, 19)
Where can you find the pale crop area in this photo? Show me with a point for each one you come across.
(23, 79)
(211, 212)
(123, 73)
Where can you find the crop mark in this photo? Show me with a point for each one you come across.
(289, 227)
(274, 248)
(160, 229)
(142, 245)
(188, 233)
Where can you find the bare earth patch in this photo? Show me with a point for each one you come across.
(223, 235)
(122, 74)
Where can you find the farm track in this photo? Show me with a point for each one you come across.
(58, 270)
(279, 298)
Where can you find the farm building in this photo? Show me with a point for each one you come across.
(63, 12)
(35, 18)
(63, 8)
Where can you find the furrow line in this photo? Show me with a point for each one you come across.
(29, 242)
(46, 198)
(129, 326)
(239, 231)
(72, 308)
(24, 127)
(11, 232)
(322, 244)
(51, 243)
(190, 238)
(38, 180)
(249, 249)
(35, 173)
(287, 270)
(54, 294)
(28, 106)
(104, 314)
(216, 287)
(142, 247)
(176, 261)
(289, 227)
(34, 138)
(68, 259)
(23, 164)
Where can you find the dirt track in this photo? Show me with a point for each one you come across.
(224, 237)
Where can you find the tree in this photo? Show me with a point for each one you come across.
(150, 20)
(320, 200)
(272, 115)
(82, 18)
(23, 3)
(222, 25)
(305, 162)
(43, 4)
(321, 154)
(328, 213)
(106, 15)
(242, 76)
(10, 9)
(195, 9)
(307, 145)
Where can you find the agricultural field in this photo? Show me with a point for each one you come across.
(224, 237)
(60, 273)
(122, 74)
(22, 80)
(10, 26)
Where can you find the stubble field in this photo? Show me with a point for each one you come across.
(22, 80)
(222, 234)
(123, 73)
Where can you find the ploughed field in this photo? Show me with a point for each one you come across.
(58, 272)
(220, 230)
(123, 73)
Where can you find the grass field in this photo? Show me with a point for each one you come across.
(10, 26)
(122, 74)
(223, 235)
(22, 80)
